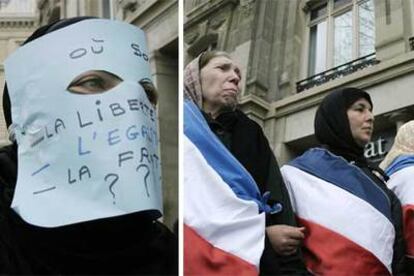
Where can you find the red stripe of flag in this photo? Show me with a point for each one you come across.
(329, 253)
(202, 258)
(408, 219)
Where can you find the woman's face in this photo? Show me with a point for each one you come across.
(220, 82)
(361, 121)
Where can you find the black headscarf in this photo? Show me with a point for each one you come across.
(332, 127)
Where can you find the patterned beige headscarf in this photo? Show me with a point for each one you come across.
(192, 82)
(403, 144)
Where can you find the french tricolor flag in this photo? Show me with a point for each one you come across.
(347, 216)
(224, 226)
(401, 182)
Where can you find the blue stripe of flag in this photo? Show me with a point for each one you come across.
(337, 171)
(218, 157)
(399, 163)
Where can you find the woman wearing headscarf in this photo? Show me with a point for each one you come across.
(212, 83)
(70, 239)
(399, 167)
(353, 219)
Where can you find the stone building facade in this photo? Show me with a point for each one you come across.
(159, 19)
(293, 53)
(18, 19)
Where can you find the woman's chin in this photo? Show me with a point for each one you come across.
(363, 142)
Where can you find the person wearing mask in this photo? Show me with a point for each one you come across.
(353, 220)
(80, 184)
(398, 165)
(212, 85)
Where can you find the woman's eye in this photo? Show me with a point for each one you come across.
(93, 83)
(88, 85)
(358, 108)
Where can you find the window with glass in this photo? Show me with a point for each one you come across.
(340, 31)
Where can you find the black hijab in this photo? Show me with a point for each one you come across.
(332, 127)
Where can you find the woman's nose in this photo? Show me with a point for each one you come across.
(235, 78)
(370, 116)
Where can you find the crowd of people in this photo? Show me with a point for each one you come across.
(330, 211)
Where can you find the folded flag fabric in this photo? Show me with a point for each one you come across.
(400, 163)
(224, 226)
(401, 172)
(347, 216)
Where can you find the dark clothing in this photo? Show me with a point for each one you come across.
(245, 140)
(128, 244)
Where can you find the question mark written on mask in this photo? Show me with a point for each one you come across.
(115, 178)
(145, 177)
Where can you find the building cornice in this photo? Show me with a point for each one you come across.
(379, 73)
(154, 8)
(18, 22)
(201, 12)
(252, 104)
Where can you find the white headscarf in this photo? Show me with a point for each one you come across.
(403, 144)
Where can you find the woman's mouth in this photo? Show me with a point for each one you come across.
(231, 91)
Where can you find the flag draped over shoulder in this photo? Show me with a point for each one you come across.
(347, 216)
(401, 172)
(224, 226)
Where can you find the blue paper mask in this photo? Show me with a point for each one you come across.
(83, 157)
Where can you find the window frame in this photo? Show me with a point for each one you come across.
(329, 17)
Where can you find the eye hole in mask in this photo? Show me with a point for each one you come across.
(150, 90)
(100, 81)
(93, 82)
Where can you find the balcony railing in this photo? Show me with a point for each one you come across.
(337, 72)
